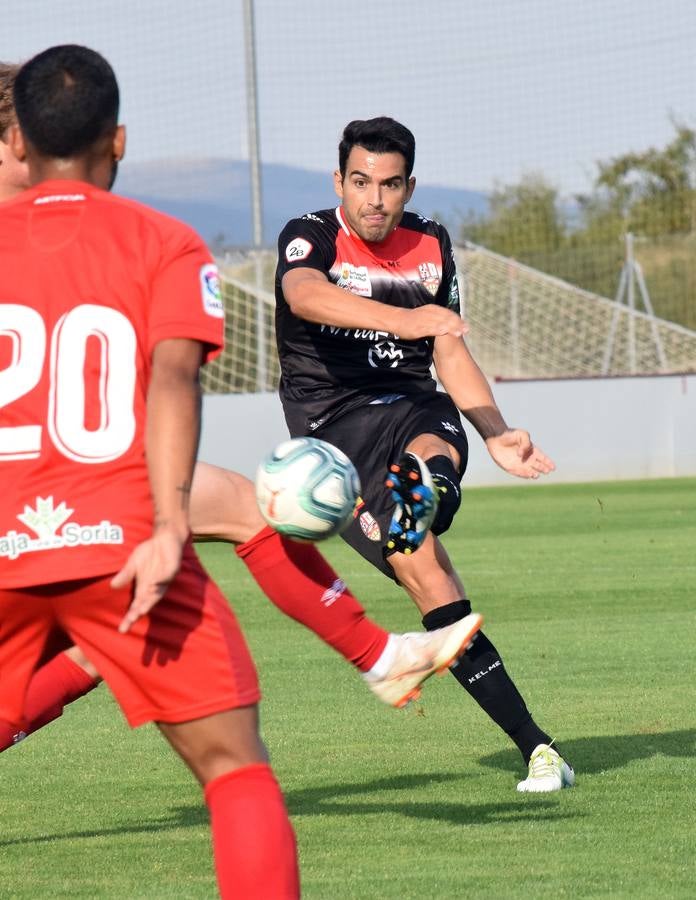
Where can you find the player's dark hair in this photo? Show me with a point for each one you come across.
(66, 98)
(8, 73)
(380, 135)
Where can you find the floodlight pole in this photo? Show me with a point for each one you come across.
(253, 144)
(252, 105)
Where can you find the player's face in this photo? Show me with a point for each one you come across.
(374, 192)
(14, 175)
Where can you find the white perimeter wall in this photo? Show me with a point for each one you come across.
(597, 429)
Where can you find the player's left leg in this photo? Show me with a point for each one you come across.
(431, 426)
(430, 580)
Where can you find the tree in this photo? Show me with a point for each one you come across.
(650, 193)
(522, 218)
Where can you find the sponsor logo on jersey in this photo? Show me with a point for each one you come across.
(298, 249)
(370, 526)
(453, 299)
(45, 520)
(312, 218)
(210, 291)
(450, 427)
(334, 593)
(59, 198)
(355, 279)
(430, 277)
(384, 355)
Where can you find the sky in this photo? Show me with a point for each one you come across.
(492, 90)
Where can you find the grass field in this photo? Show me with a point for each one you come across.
(589, 594)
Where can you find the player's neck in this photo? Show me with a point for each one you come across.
(89, 170)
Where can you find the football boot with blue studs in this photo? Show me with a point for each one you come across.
(416, 504)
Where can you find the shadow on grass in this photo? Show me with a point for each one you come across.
(592, 755)
(338, 799)
(179, 817)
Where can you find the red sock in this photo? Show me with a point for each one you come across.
(253, 841)
(299, 581)
(53, 687)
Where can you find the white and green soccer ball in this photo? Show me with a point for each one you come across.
(307, 489)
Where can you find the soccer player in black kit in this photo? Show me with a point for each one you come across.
(367, 300)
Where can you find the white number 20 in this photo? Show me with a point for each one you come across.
(66, 389)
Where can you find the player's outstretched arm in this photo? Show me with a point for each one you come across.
(311, 296)
(171, 444)
(511, 448)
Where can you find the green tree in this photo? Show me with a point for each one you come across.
(522, 218)
(650, 193)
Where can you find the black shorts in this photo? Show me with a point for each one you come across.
(373, 437)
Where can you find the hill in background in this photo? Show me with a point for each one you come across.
(214, 196)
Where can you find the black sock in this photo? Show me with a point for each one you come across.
(446, 480)
(481, 672)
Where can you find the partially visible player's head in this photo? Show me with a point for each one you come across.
(373, 179)
(380, 135)
(14, 175)
(66, 101)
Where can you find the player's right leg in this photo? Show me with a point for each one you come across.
(186, 666)
(300, 582)
(225, 753)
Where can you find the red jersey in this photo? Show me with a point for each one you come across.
(89, 284)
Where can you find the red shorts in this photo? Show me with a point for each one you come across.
(187, 659)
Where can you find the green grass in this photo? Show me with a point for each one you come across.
(588, 592)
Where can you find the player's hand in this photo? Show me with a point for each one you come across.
(152, 565)
(431, 321)
(514, 451)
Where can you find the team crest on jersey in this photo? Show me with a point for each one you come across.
(298, 249)
(211, 294)
(370, 527)
(45, 520)
(430, 277)
(355, 279)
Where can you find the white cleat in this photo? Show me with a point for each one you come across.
(418, 655)
(548, 771)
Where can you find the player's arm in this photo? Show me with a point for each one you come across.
(171, 444)
(311, 296)
(511, 448)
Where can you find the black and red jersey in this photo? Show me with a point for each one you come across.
(326, 370)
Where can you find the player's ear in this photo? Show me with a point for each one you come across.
(411, 188)
(119, 144)
(15, 139)
(338, 183)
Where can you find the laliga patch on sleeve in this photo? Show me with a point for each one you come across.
(210, 291)
(297, 249)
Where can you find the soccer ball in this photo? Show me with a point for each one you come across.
(307, 489)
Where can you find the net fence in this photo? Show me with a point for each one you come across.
(524, 324)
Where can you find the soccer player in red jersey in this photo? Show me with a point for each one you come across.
(295, 577)
(108, 311)
(367, 302)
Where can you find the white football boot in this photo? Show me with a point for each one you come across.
(548, 771)
(411, 658)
